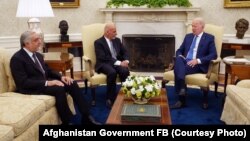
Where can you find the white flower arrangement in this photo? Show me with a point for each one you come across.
(141, 87)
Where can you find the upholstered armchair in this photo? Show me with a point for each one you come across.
(202, 80)
(89, 34)
(236, 108)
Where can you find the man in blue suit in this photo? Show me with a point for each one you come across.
(193, 56)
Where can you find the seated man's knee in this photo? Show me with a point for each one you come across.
(112, 74)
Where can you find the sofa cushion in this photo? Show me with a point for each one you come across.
(48, 100)
(6, 133)
(3, 77)
(7, 76)
(240, 97)
(244, 83)
(20, 112)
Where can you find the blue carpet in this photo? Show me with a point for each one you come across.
(193, 114)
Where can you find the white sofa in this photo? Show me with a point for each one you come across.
(237, 104)
(20, 114)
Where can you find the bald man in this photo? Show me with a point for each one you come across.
(111, 59)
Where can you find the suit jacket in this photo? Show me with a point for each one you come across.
(103, 53)
(28, 78)
(206, 49)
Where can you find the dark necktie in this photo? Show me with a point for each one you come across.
(38, 64)
(191, 49)
(112, 49)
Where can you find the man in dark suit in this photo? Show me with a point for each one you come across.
(111, 59)
(193, 56)
(33, 76)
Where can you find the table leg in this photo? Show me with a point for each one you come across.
(81, 63)
(232, 78)
(225, 83)
(72, 72)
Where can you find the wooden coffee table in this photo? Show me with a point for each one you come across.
(114, 117)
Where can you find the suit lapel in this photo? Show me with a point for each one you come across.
(106, 46)
(203, 37)
(29, 60)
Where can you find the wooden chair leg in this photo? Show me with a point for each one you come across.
(93, 102)
(86, 85)
(205, 97)
(163, 83)
(216, 89)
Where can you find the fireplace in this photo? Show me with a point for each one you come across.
(149, 52)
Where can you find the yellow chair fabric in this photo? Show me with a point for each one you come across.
(90, 33)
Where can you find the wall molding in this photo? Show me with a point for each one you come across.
(13, 42)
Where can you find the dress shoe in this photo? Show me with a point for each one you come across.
(182, 92)
(109, 103)
(178, 105)
(90, 121)
(205, 106)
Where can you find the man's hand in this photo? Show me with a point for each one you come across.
(67, 80)
(124, 63)
(54, 83)
(192, 63)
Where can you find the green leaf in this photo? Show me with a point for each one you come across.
(148, 3)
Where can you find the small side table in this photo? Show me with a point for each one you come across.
(237, 68)
(60, 62)
(229, 49)
(70, 44)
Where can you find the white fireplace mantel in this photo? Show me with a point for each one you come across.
(152, 14)
(170, 20)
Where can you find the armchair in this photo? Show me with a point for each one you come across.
(236, 108)
(202, 80)
(89, 34)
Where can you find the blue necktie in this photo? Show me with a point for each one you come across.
(191, 49)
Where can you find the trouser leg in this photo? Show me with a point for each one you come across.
(61, 102)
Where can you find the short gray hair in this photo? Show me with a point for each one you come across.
(26, 37)
(200, 20)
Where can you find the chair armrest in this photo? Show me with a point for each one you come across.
(89, 66)
(244, 83)
(213, 67)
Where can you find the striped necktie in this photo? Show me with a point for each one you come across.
(38, 64)
(112, 50)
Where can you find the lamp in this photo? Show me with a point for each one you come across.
(34, 9)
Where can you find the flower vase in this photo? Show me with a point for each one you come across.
(140, 100)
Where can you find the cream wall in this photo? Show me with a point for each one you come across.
(88, 12)
(85, 14)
